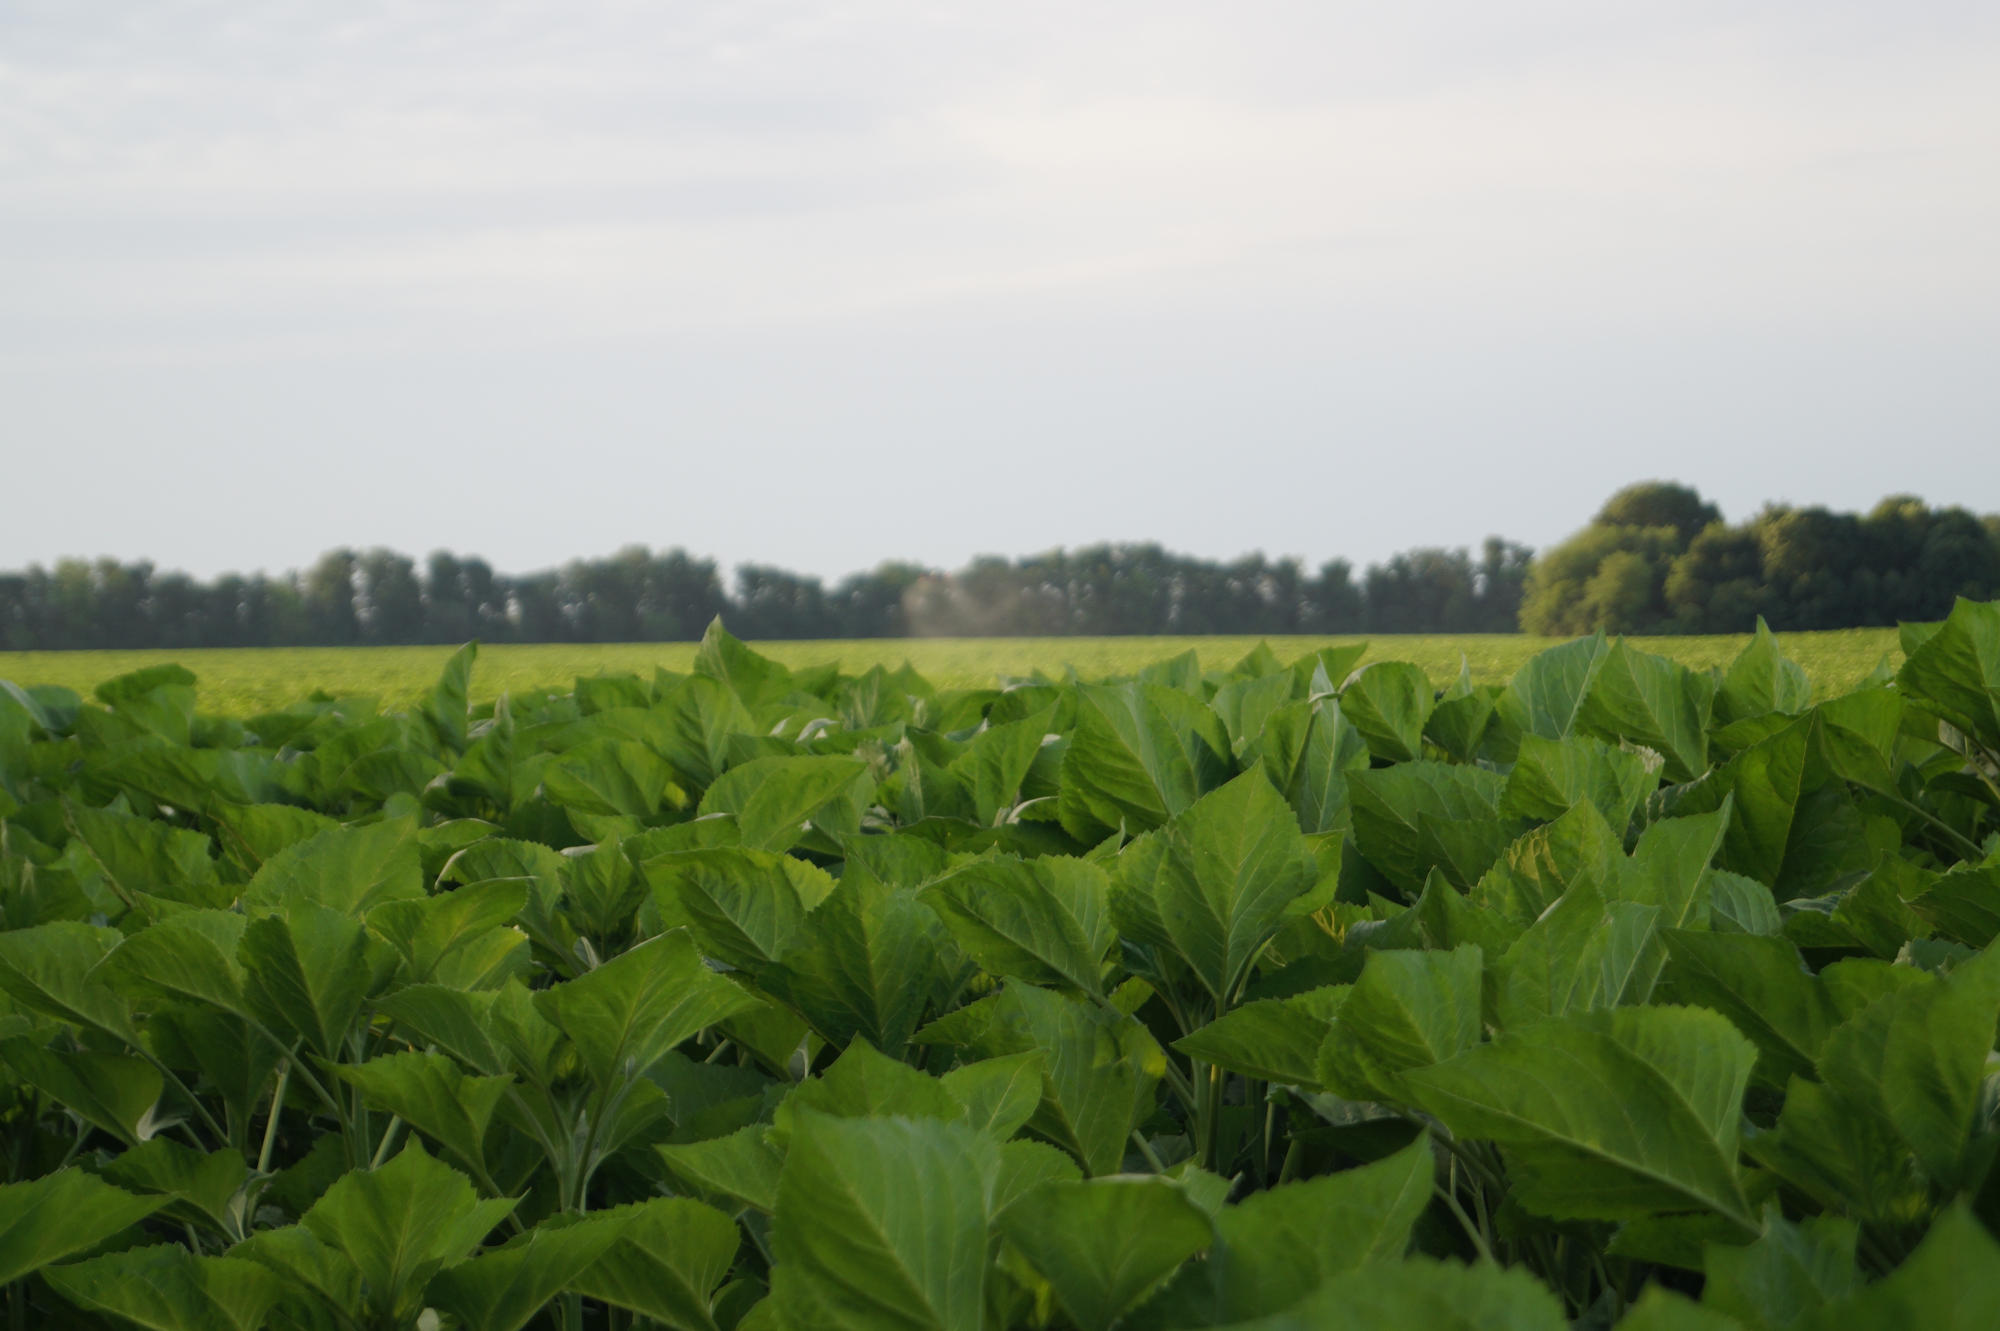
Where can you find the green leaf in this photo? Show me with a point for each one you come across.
(853, 1251)
(1947, 1284)
(1246, 704)
(1551, 777)
(700, 714)
(774, 798)
(111, 1091)
(307, 972)
(435, 935)
(997, 760)
(863, 1083)
(744, 1166)
(211, 1184)
(1308, 751)
(666, 1264)
(1275, 1247)
(433, 1095)
(869, 959)
(1607, 1115)
(1105, 1244)
(144, 855)
(1407, 1010)
(1919, 1057)
(502, 1289)
(1045, 921)
(189, 957)
(756, 679)
(1840, 1155)
(50, 969)
(447, 710)
(607, 778)
(747, 908)
(1102, 1068)
(1545, 695)
(347, 869)
(625, 1015)
(1761, 985)
(1139, 754)
(1789, 1271)
(1388, 702)
(1654, 701)
(999, 1094)
(1275, 1040)
(59, 1215)
(1413, 817)
(1213, 885)
(402, 1223)
(1761, 680)
(1660, 1309)
(1956, 672)
(1583, 954)
(168, 1288)
(1437, 1296)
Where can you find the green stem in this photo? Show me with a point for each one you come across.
(389, 1136)
(1465, 1222)
(1295, 1153)
(1146, 1149)
(271, 1122)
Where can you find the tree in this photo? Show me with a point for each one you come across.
(1658, 504)
(1563, 595)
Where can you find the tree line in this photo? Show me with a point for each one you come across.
(1657, 558)
(380, 597)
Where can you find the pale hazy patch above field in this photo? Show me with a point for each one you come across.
(295, 276)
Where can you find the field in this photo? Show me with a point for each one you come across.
(1619, 996)
(245, 682)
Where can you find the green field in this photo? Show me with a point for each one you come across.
(242, 682)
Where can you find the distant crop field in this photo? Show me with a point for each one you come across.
(242, 682)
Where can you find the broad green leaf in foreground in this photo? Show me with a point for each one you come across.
(773, 798)
(1957, 671)
(1277, 1040)
(1947, 1284)
(168, 1288)
(1275, 1247)
(1408, 1010)
(1607, 1115)
(402, 1223)
(666, 1264)
(1653, 701)
(1786, 1273)
(882, 1223)
(1101, 1071)
(48, 969)
(1044, 920)
(432, 1094)
(1140, 753)
(1413, 817)
(625, 1015)
(112, 1091)
(1388, 702)
(1212, 886)
(501, 1289)
(59, 1215)
(1436, 1296)
(1104, 1244)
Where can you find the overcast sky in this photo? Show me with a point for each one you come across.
(822, 284)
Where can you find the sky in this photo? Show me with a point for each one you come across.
(825, 284)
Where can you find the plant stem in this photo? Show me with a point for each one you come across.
(271, 1122)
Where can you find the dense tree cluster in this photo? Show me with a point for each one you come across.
(636, 595)
(1657, 559)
